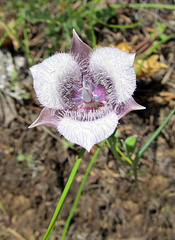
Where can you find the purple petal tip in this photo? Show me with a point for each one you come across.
(80, 49)
(130, 105)
(46, 117)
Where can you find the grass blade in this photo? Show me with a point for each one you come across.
(131, 5)
(13, 34)
(6, 34)
(152, 138)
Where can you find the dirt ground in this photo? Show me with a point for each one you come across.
(111, 207)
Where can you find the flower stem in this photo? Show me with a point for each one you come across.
(64, 194)
(80, 191)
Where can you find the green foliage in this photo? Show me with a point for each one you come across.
(20, 158)
(129, 145)
(14, 75)
(1, 206)
(125, 155)
(160, 33)
(58, 18)
(26, 157)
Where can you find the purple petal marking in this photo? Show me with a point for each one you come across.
(102, 91)
(116, 65)
(86, 97)
(49, 77)
(79, 48)
(46, 117)
(127, 107)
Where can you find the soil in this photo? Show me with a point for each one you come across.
(112, 206)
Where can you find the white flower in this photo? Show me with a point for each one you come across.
(85, 92)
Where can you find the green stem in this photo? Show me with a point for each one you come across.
(64, 194)
(84, 6)
(80, 191)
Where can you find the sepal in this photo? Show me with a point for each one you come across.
(46, 117)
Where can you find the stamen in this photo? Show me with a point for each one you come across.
(77, 99)
(86, 96)
(84, 81)
(92, 87)
(76, 89)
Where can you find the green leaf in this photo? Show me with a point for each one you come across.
(47, 31)
(1, 206)
(160, 27)
(20, 157)
(117, 134)
(130, 144)
(29, 158)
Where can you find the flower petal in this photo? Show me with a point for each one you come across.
(116, 65)
(125, 108)
(79, 48)
(46, 117)
(88, 133)
(53, 78)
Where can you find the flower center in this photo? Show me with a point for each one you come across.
(89, 95)
(90, 101)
